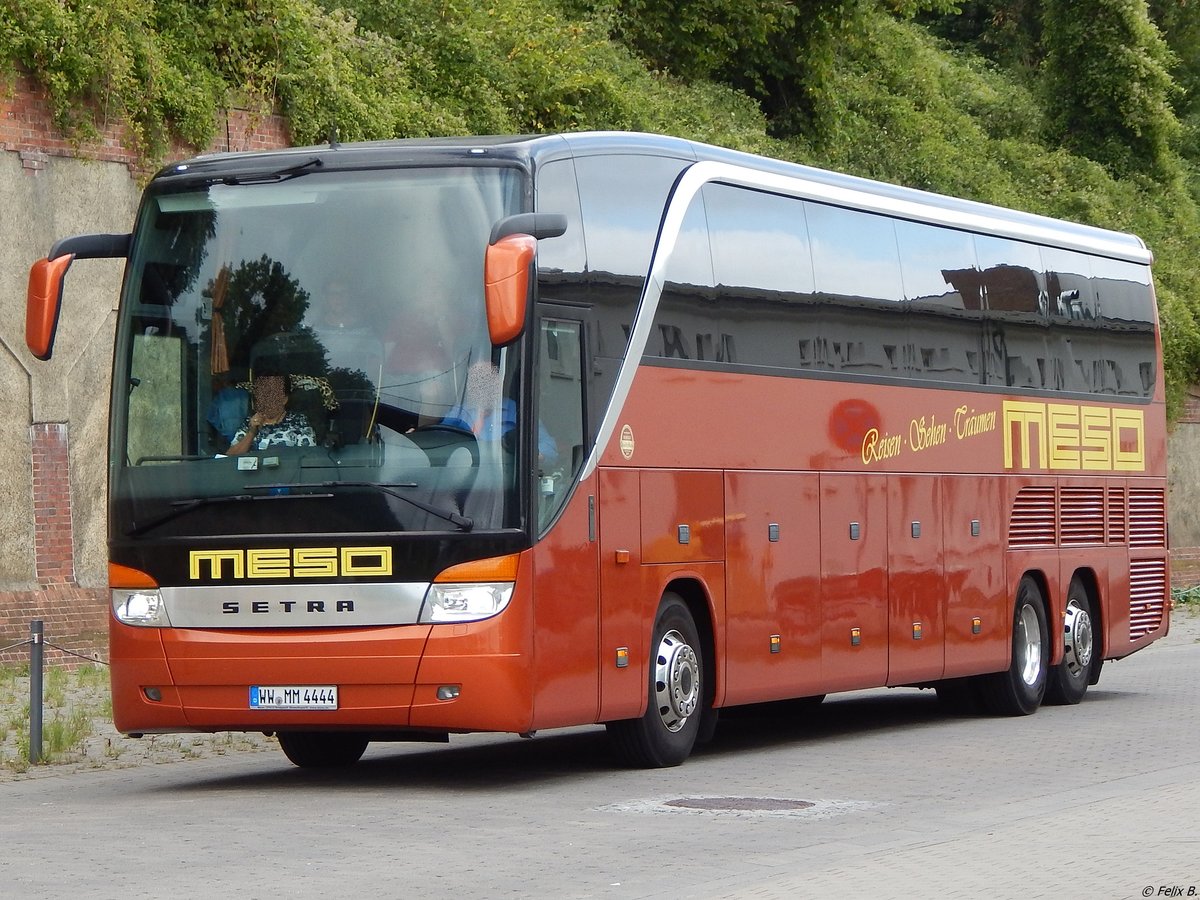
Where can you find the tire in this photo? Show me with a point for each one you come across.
(1018, 691)
(322, 749)
(665, 735)
(1069, 680)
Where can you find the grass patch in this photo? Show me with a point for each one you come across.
(1186, 598)
(67, 720)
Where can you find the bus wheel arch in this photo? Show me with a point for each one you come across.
(1019, 689)
(678, 686)
(1083, 650)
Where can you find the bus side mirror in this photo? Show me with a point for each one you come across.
(43, 297)
(506, 269)
(43, 301)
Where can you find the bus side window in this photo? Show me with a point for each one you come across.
(856, 266)
(560, 412)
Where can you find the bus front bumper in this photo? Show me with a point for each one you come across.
(455, 677)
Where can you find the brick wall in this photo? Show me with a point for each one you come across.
(75, 617)
(1191, 408)
(27, 128)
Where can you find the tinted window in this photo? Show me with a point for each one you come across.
(622, 199)
(763, 273)
(1016, 354)
(688, 322)
(760, 243)
(943, 288)
(561, 259)
(1125, 305)
(859, 326)
(1071, 306)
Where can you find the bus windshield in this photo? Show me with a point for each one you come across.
(310, 355)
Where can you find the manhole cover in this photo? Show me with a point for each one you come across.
(739, 804)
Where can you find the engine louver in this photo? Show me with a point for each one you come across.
(1147, 595)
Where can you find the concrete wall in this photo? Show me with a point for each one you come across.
(53, 428)
(1183, 476)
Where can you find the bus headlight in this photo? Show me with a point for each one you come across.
(465, 602)
(143, 607)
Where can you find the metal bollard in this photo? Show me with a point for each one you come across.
(36, 657)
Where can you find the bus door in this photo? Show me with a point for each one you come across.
(566, 585)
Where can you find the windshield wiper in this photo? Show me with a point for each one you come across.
(295, 171)
(183, 507)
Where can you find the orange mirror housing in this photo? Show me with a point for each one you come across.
(506, 269)
(43, 301)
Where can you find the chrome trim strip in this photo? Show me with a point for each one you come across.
(1035, 229)
(294, 605)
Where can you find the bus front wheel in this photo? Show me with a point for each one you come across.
(322, 749)
(665, 735)
(1018, 690)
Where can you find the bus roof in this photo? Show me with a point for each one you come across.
(531, 151)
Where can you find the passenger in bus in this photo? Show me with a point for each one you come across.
(271, 424)
(341, 312)
(478, 414)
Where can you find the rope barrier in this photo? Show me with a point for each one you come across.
(24, 643)
(94, 659)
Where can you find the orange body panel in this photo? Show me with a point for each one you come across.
(566, 634)
(854, 624)
(975, 586)
(773, 586)
(916, 592)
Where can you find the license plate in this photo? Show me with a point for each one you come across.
(294, 696)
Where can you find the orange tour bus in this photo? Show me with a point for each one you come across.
(425, 437)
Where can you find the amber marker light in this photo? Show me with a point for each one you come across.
(471, 591)
(136, 599)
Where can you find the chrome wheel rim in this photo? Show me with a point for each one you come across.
(1077, 638)
(676, 680)
(1028, 645)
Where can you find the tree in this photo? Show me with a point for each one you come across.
(1108, 85)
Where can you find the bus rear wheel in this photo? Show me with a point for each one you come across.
(322, 749)
(1018, 690)
(665, 735)
(1070, 678)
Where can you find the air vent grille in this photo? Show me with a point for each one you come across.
(1147, 518)
(1081, 515)
(1147, 596)
(1033, 518)
(1118, 516)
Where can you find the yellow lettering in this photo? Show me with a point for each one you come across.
(1096, 439)
(282, 562)
(1019, 419)
(366, 560)
(1129, 426)
(1075, 438)
(315, 562)
(269, 563)
(1064, 436)
(216, 560)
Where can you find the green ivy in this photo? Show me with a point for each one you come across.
(1069, 115)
